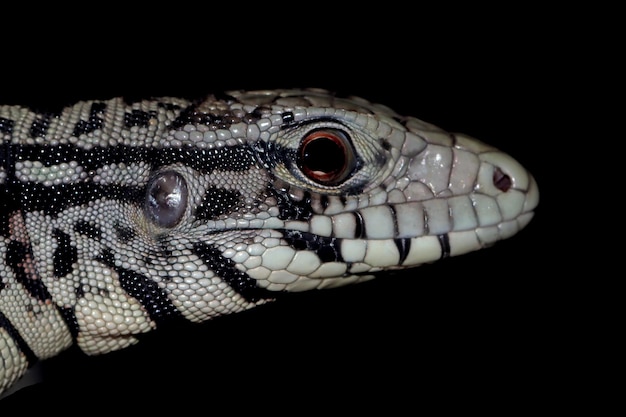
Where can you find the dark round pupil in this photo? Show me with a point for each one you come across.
(323, 155)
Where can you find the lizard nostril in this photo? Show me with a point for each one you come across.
(502, 181)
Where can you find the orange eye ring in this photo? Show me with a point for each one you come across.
(326, 156)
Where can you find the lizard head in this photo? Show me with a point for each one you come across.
(174, 208)
(306, 190)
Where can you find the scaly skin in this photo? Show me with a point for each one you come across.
(118, 217)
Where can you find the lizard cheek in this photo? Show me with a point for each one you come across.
(166, 199)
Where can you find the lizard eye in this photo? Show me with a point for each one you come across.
(326, 156)
(166, 199)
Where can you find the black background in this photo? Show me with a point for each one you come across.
(476, 331)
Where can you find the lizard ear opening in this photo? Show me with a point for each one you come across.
(166, 199)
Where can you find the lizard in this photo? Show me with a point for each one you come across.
(121, 215)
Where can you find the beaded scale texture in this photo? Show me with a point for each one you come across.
(118, 217)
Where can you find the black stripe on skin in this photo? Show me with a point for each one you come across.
(65, 255)
(153, 298)
(7, 204)
(392, 208)
(88, 229)
(31, 358)
(359, 228)
(166, 106)
(39, 126)
(54, 199)
(289, 209)
(70, 319)
(324, 202)
(227, 270)
(404, 247)
(7, 152)
(229, 158)
(89, 159)
(18, 255)
(124, 234)
(444, 242)
(94, 121)
(454, 140)
(326, 248)
(288, 117)
(257, 114)
(217, 201)
(6, 125)
(191, 116)
(79, 291)
(138, 118)
(5, 212)
(403, 244)
(236, 158)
